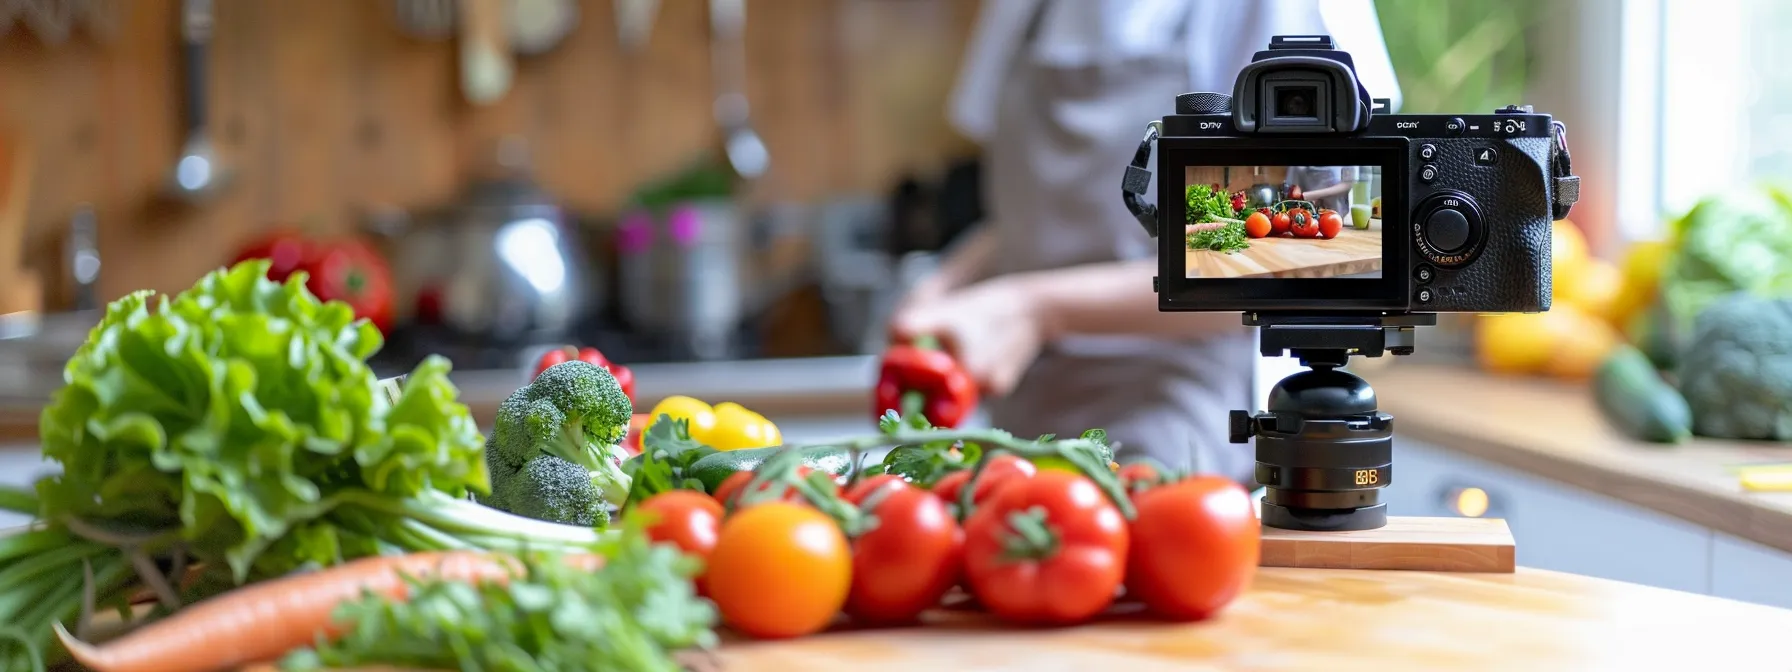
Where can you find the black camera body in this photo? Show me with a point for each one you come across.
(1467, 201)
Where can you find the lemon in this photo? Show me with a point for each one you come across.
(1568, 254)
(1644, 262)
(1596, 290)
(700, 417)
(1516, 343)
(737, 428)
(1589, 340)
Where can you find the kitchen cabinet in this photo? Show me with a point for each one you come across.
(1557, 527)
(1747, 571)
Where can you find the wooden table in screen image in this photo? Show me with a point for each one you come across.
(1354, 251)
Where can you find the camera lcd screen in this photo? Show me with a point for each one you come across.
(1214, 263)
(1282, 222)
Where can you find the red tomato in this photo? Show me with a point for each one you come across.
(687, 519)
(286, 251)
(1000, 469)
(1256, 225)
(1330, 224)
(731, 486)
(1279, 224)
(1302, 224)
(1295, 193)
(1138, 475)
(1050, 549)
(907, 562)
(864, 488)
(353, 272)
(1195, 547)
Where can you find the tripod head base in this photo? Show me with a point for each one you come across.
(1346, 520)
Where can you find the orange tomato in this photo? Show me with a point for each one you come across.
(779, 570)
(1257, 225)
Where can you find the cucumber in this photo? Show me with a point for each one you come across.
(711, 470)
(1632, 395)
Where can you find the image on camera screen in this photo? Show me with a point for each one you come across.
(1283, 222)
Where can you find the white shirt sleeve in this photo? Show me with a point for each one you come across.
(1356, 29)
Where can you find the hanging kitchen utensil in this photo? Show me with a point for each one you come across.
(537, 26)
(634, 23)
(84, 257)
(425, 19)
(486, 65)
(198, 175)
(746, 152)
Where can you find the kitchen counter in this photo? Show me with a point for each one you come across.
(1314, 619)
(1553, 430)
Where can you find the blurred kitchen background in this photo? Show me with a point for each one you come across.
(727, 196)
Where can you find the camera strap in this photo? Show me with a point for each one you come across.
(1138, 180)
(1567, 185)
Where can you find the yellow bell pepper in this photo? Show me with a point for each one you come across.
(697, 415)
(737, 428)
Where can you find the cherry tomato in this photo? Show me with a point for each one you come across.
(1302, 224)
(731, 487)
(1279, 224)
(1257, 225)
(1330, 223)
(1050, 549)
(687, 519)
(1195, 547)
(1138, 476)
(865, 488)
(1000, 469)
(779, 570)
(907, 562)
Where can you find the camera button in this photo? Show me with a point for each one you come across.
(1447, 229)
(1486, 156)
(1424, 274)
(1455, 125)
(1428, 174)
(1427, 152)
(1423, 295)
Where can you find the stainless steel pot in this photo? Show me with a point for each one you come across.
(503, 267)
(681, 274)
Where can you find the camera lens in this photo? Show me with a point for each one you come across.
(1296, 101)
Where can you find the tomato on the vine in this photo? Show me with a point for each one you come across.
(910, 557)
(1302, 224)
(1000, 469)
(1195, 547)
(687, 519)
(1279, 224)
(864, 488)
(731, 487)
(779, 570)
(1138, 475)
(1050, 549)
(1330, 223)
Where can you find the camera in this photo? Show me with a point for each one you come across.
(1338, 227)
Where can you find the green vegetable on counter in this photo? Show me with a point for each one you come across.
(668, 454)
(1725, 244)
(1736, 372)
(631, 615)
(1207, 204)
(1229, 238)
(552, 454)
(1631, 393)
(237, 425)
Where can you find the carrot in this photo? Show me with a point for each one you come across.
(263, 621)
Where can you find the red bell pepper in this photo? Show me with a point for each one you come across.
(921, 378)
(624, 377)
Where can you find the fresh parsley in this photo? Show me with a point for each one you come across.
(667, 452)
(1228, 239)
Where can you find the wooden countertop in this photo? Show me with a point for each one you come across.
(1552, 430)
(1297, 620)
(1352, 252)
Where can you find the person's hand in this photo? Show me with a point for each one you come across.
(994, 328)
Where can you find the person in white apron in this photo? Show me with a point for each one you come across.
(1049, 304)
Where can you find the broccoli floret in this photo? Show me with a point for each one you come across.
(549, 488)
(1736, 372)
(574, 411)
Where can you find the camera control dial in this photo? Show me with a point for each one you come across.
(1448, 230)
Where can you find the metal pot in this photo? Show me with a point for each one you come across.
(504, 267)
(681, 275)
(1261, 196)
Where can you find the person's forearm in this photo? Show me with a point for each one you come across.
(966, 260)
(1113, 298)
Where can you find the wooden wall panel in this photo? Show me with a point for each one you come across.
(324, 110)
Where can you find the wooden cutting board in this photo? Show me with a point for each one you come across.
(1353, 251)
